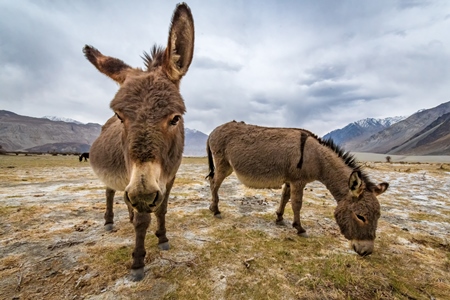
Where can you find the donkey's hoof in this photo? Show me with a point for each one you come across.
(218, 216)
(303, 234)
(164, 246)
(137, 274)
(109, 227)
(280, 223)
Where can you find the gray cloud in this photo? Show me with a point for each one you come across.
(208, 63)
(312, 64)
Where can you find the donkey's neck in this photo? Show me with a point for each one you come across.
(334, 174)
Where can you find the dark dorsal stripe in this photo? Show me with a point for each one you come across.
(303, 137)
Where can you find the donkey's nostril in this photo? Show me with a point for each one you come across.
(153, 201)
(361, 218)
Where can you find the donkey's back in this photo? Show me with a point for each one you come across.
(262, 157)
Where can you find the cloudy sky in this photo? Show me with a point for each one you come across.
(313, 64)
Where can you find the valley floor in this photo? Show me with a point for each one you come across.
(53, 245)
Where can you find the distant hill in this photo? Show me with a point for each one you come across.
(23, 133)
(54, 134)
(390, 139)
(61, 148)
(427, 132)
(432, 140)
(194, 143)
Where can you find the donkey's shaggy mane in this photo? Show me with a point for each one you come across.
(154, 58)
(349, 159)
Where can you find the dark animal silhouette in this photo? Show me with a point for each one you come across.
(264, 157)
(140, 148)
(84, 155)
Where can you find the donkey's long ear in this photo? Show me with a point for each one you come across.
(110, 66)
(180, 47)
(380, 188)
(355, 184)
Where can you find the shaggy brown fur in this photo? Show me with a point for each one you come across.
(140, 148)
(264, 157)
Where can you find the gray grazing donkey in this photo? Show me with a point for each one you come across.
(264, 157)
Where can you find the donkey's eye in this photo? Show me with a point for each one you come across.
(118, 117)
(175, 120)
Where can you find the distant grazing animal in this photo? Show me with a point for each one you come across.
(140, 148)
(264, 157)
(85, 155)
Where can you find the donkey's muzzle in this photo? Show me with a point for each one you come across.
(145, 202)
(363, 248)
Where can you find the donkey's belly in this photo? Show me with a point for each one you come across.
(260, 182)
(114, 180)
(107, 161)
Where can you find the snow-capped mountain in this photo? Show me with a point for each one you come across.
(358, 131)
(61, 119)
(386, 122)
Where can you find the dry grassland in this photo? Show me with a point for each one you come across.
(53, 246)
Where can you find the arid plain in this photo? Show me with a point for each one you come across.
(53, 245)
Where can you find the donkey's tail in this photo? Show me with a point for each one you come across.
(210, 161)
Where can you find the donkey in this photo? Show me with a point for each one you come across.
(84, 155)
(140, 148)
(264, 157)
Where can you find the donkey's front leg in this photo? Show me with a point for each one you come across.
(296, 202)
(285, 195)
(141, 222)
(130, 208)
(163, 241)
(109, 213)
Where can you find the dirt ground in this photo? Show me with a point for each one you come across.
(53, 245)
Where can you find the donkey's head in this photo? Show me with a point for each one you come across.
(358, 212)
(150, 109)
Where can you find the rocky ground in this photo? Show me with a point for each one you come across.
(53, 245)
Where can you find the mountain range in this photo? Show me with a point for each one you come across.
(426, 132)
(54, 134)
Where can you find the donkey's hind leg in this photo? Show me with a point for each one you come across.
(109, 213)
(285, 196)
(222, 171)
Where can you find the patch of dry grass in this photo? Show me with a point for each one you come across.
(39, 161)
(186, 181)
(195, 160)
(424, 216)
